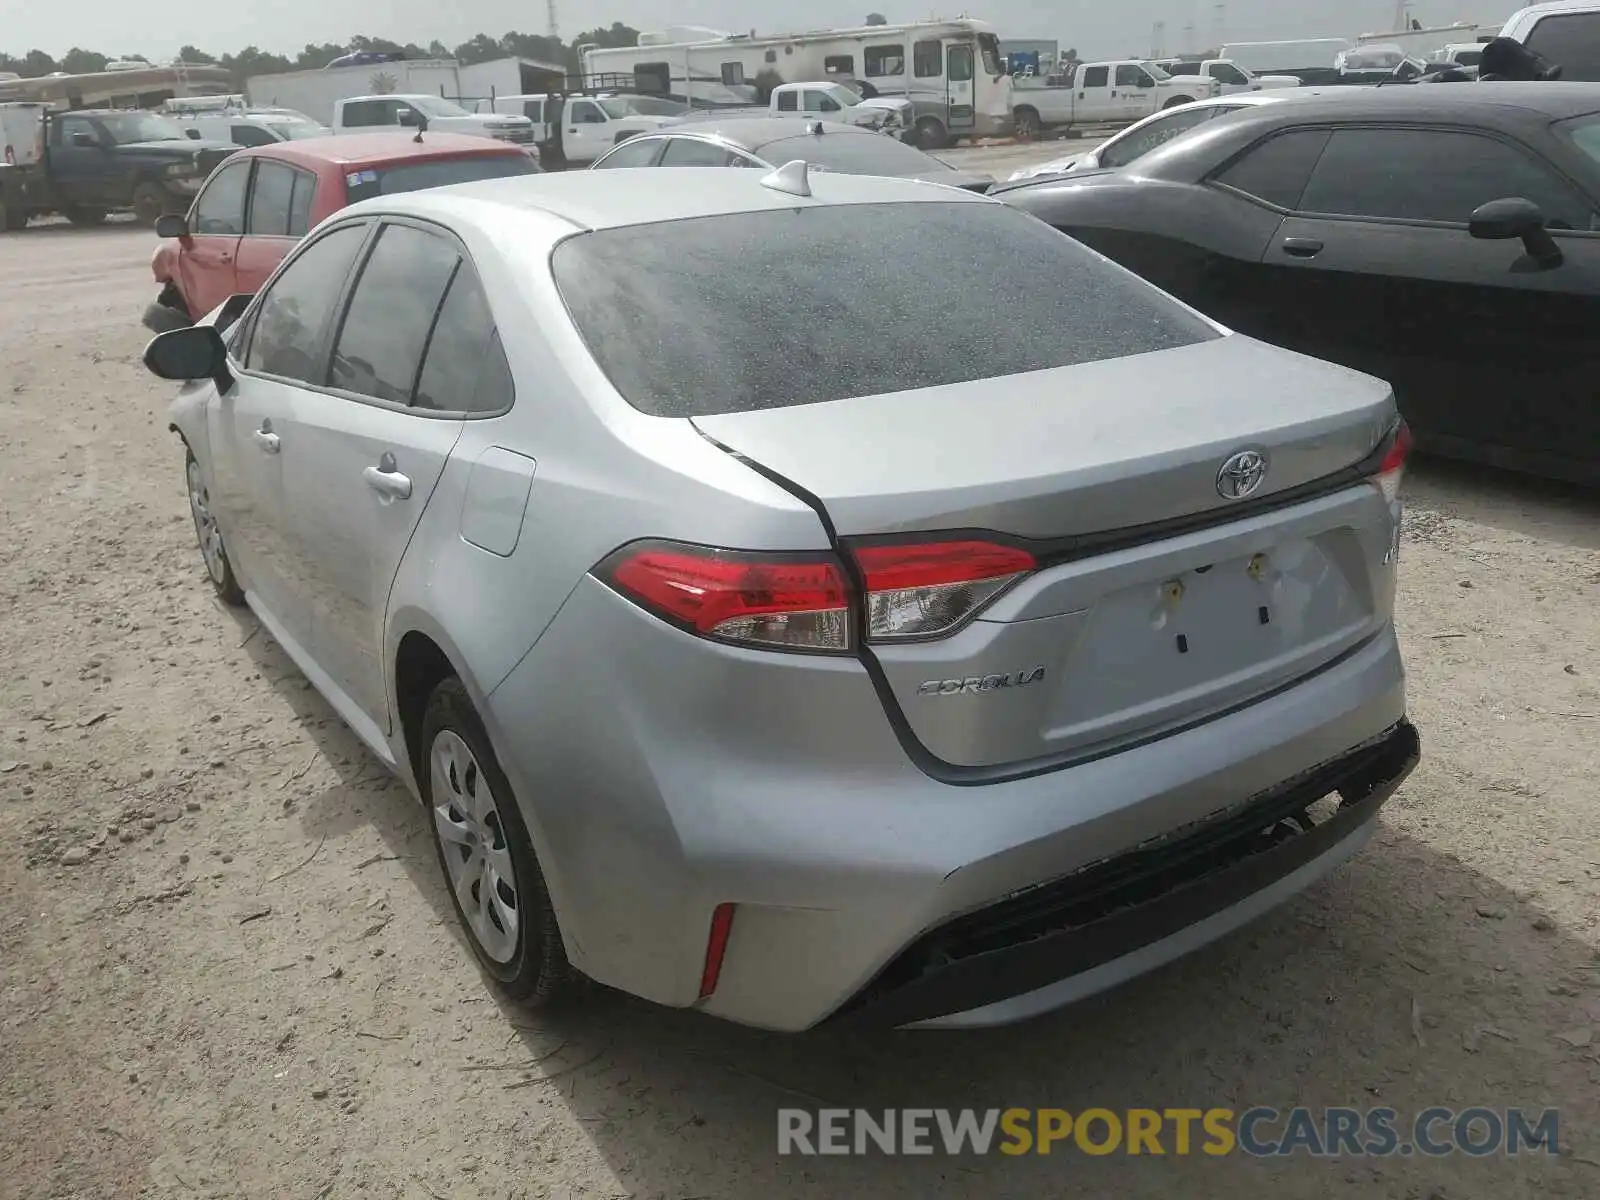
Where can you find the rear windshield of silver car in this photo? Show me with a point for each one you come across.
(810, 304)
(438, 172)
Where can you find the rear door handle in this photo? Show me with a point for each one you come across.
(386, 479)
(266, 439)
(1302, 247)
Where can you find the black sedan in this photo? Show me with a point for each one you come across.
(741, 141)
(1444, 238)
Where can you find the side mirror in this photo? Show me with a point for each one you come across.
(194, 352)
(172, 225)
(87, 140)
(1514, 217)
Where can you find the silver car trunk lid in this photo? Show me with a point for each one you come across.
(1074, 450)
(1155, 599)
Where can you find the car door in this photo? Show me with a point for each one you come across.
(207, 257)
(374, 447)
(80, 160)
(278, 216)
(1487, 357)
(1132, 92)
(1094, 102)
(585, 138)
(958, 71)
(282, 351)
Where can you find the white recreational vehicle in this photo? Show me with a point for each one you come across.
(951, 71)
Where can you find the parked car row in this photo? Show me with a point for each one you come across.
(1445, 239)
(570, 496)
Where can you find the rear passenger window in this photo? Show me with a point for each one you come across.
(788, 102)
(294, 314)
(691, 152)
(1096, 76)
(272, 199)
(1433, 175)
(391, 310)
(465, 368)
(1277, 169)
(305, 189)
(362, 113)
(250, 135)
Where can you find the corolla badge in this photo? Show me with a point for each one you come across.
(976, 685)
(1241, 474)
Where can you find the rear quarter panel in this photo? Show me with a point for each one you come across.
(1199, 243)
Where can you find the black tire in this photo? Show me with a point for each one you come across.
(931, 133)
(1027, 123)
(220, 571)
(1177, 100)
(538, 973)
(150, 203)
(85, 217)
(13, 217)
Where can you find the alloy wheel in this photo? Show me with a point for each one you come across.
(476, 856)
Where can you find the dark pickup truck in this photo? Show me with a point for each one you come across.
(94, 162)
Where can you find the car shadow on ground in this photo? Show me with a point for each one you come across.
(1523, 504)
(1407, 979)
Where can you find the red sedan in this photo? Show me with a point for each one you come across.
(262, 200)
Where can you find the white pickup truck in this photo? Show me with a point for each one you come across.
(368, 114)
(1102, 93)
(576, 130)
(836, 102)
(1230, 76)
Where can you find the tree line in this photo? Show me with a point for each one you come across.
(252, 60)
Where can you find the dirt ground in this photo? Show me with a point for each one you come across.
(228, 966)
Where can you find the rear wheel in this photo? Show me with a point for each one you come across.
(1027, 123)
(85, 216)
(149, 203)
(931, 133)
(1177, 100)
(495, 882)
(13, 216)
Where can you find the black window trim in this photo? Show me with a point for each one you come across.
(380, 221)
(1211, 179)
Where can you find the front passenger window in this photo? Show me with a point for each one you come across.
(219, 210)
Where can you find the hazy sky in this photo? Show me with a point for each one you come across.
(1094, 27)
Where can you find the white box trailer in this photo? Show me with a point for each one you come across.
(1420, 43)
(314, 92)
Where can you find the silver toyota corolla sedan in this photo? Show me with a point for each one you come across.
(786, 608)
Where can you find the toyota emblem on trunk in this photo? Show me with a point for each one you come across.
(1241, 474)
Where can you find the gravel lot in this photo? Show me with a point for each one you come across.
(251, 984)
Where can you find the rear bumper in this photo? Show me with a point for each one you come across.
(1059, 942)
(688, 774)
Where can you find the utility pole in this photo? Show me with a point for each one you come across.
(1158, 33)
(1219, 23)
(552, 31)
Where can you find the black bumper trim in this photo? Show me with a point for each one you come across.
(1365, 778)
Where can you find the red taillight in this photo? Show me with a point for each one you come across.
(925, 589)
(716, 947)
(787, 601)
(1392, 468)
